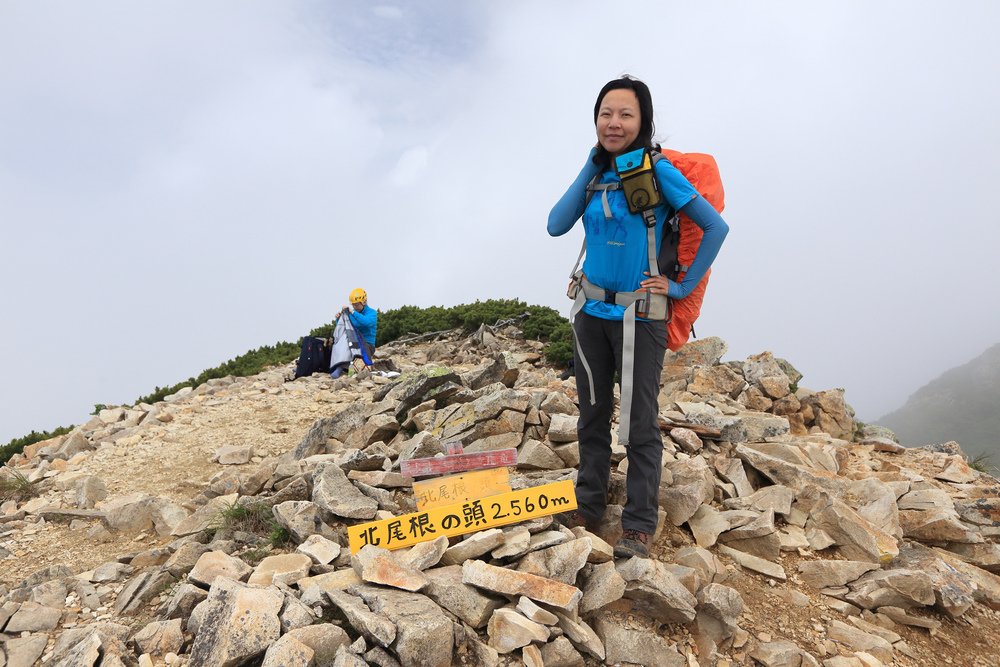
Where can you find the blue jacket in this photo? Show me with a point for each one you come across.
(617, 248)
(365, 321)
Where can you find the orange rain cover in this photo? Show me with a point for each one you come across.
(703, 173)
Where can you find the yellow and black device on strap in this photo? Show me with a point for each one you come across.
(642, 191)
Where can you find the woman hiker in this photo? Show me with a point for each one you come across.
(618, 262)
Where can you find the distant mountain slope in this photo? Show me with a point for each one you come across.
(962, 405)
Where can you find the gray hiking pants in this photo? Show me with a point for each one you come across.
(601, 341)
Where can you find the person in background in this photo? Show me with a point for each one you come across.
(363, 318)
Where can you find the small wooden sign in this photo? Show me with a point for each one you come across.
(460, 488)
(446, 465)
(468, 517)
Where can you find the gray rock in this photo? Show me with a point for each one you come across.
(373, 626)
(709, 568)
(411, 390)
(25, 651)
(507, 582)
(533, 612)
(239, 623)
(50, 594)
(473, 546)
(562, 428)
(300, 518)
(112, 571)
(858, 640)
(892, 588)
(464, 601)
(582, 635)
(233, 455)
(141, 589)
(833, 573)
(323, 639)
(295, 614)
(335, 494)
(423, 555)
(516, 542)
(508, 630)
(656, 591)
(560, 653)
(623, 645)
(856, 538)
(160, 637)
(338, 426)
(706, 525)
(204, 517)
(686, 439)
(88, 490)
(954, 592)
(560, 563)
(321, 550)
(781, 653)
(422, 445)
(503, 369)
(776, 497)
(535, 455)
(32, 617)
(281, 569)
(215, 564)
(379, 566)
(719, 609)
(424, 636)
(185, 598)
(754, 563)
(556, 402)
(602, 585)
(377, 428)
(182, 560)
(747, 426)
(288, 652)
(937, 525)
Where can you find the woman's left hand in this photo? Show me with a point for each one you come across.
(656, 284)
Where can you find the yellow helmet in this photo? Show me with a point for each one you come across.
(358, 296)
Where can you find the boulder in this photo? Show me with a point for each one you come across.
(334, 493)
(628, 646)
(656, 591)
(463, 600)
(424, 636)
(507, 582)
(238, 624)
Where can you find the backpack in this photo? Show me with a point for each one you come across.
(314, 357)
(679, 245)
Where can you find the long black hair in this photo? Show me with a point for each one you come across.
(646, 127)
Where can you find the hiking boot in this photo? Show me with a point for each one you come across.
(632, 543)
(573, 519)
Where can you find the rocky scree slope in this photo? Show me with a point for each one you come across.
(784, 540)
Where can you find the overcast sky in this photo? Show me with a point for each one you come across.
(183, 181)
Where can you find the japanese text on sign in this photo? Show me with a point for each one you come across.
(460, 518)
(460, 488)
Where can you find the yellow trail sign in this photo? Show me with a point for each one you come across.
(453, 489)
(468, 517)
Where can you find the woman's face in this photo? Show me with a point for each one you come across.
(618, 120)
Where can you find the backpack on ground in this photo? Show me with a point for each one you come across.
(314, 356)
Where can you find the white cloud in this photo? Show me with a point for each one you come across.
(181, 182)
(388, 12)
